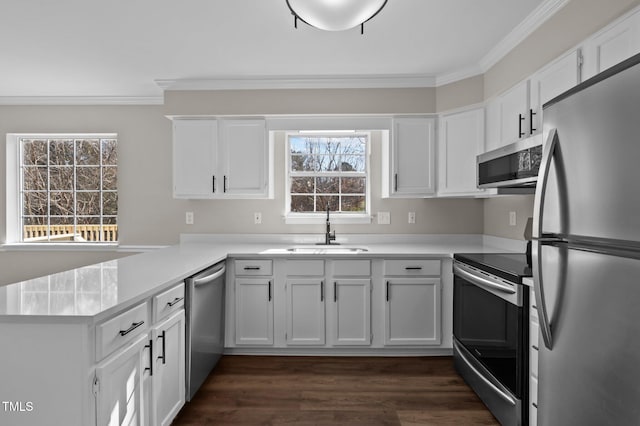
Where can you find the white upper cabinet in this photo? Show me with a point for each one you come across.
(461, 139)
(195, 158)
(551, 81)
(507, 117)
(612, 45)
(220, 158)
(408, 160)
(244, 157)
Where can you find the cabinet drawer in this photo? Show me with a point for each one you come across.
(352, 268)
(253, 267)
(168, 302)
(113, 333)
(412, 267)
(308, 268)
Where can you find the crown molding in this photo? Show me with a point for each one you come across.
(468, 72)
(539, 16)
(311, 82)
(81, 100)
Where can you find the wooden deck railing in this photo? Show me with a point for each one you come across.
(35, 233)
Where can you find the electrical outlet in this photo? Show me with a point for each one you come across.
(512, 218)
(384, 218)
(412, 217)
(189, 218)
(257, 218)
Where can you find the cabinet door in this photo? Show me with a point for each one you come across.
(305, 311)
(194, 158)
(119, 393)
(514, 111)
(254, 311)
(244, 157)
(412, 311)
(461, 140)
(551, 81)
(612, 45)
(351, 312)
(413, 158)
(168, 374)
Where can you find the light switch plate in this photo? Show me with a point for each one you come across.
(384, 218)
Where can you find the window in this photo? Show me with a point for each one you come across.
(67, 189)
(328, 170)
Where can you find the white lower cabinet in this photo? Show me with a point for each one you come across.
(118, 385)
(168, 375)
(253, 311)
(534, 333)
(319, 305)
(412, 311)
(351, 312)
(305, 311)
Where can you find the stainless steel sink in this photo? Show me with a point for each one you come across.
(327, 250)
(318, 249)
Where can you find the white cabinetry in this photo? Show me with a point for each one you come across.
(534, 329)
(118, 385)
(612, 45)
(408, 160)
(195, 158)
(253, 302)
(461, 139)
(412, 302)
(244, 157)
(305, 296)
(551, 81)
(508, 117)
(168, 376)
(351, 303)
(220, 158)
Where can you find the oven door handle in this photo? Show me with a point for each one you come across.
(481, 281)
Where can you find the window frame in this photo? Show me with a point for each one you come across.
(320, 217)
(13, 230)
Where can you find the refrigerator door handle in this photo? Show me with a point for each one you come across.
(538, 209)
(543, 179)
(545, 327)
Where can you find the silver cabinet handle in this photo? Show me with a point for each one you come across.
(538, 210)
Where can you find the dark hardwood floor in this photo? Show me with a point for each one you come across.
(257, 390)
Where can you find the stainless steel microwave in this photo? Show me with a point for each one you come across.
(512, 166)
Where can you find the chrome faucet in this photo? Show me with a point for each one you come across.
(328, 236)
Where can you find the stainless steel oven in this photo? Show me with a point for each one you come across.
(490, 331)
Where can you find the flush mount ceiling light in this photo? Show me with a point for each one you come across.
(335, 15)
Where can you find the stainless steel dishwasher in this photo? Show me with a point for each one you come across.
(205, 324)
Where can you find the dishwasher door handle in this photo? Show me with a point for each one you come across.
(206, 280)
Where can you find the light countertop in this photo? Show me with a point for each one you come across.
(96, 292)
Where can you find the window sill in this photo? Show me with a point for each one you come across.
(334, 218)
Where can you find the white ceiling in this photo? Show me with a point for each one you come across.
(130, 48)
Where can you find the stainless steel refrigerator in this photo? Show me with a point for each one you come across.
(586, 253)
